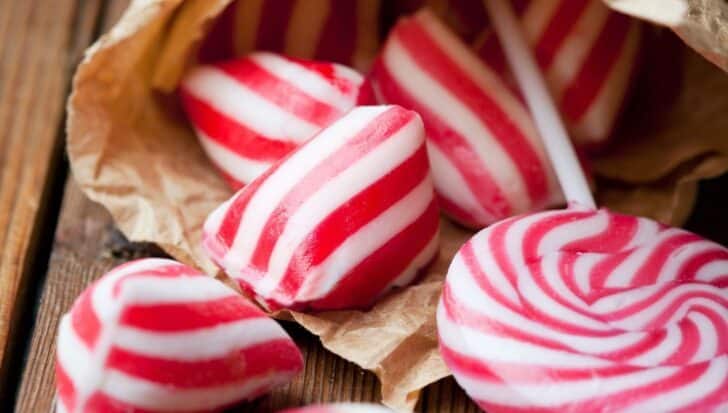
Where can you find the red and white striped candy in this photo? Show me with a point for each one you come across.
(583, 310)
(340, 408)
(588, 55)
(154, 335)
(340, 221)
(487, 159)
(339, 31)
(250, 112)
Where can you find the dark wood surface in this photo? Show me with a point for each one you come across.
(54, 241)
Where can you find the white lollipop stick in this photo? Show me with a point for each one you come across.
(546, 116)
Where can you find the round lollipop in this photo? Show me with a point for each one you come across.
(583, 309)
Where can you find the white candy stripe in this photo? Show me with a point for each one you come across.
(451, 185)
(149, 395)
(235, 100)
(601, 116)
(422, 259)
(369, 238)
(280, 183)
(306, 80)
(239, 167)
(711, 380)
(185, 346)
(574, 50)
(555, 394)
(152, 290)
(357, 177)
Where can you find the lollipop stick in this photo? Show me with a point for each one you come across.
(546, 116)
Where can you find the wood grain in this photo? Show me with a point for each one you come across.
(37, 40)
(86, 245)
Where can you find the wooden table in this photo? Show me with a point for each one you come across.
(54, 241)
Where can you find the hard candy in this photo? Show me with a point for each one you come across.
(487, 158)
(250, 112)
(154, 335)
(343, 219)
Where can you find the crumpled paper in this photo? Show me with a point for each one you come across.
(131, 150)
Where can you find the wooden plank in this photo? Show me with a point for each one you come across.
(35, 39)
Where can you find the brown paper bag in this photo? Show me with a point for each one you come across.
(132, 151)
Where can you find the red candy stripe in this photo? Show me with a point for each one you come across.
(337, 223)
(581, 310)
(154, 335)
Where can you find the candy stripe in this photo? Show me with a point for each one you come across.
(481, 137)
(158, 336)
(330, 30)
(339, 222)
(250, 112)
(582, 310)
(588, 54)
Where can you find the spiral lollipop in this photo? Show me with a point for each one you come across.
(583, 309)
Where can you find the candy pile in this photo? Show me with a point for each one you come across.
(340, 221)
(154, 335)
(338, 203)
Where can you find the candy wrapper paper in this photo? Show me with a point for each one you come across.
(132, 151)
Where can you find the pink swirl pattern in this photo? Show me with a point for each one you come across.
(580, 310)
(154, 335)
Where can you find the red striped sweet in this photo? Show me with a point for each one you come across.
(250, 112)
(588, 55)
(583, 310)
(338, 31)
(487, 159)
(343, 219)
(340, 408)
(154, 335)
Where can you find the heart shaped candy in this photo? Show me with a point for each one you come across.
(340, 221)
(487, 158)
(588, 54)
(250, 112)
(340, 408)
(582, 310)
(154, 335)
